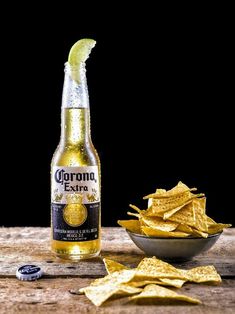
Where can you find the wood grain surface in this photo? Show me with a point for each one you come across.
(54, 292)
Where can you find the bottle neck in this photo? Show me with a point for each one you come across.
(75, 115)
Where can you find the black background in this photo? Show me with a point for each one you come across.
(161, 95)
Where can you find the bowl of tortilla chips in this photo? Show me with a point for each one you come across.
(175, 225)
(173, 249)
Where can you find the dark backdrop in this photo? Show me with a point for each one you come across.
(161, 97)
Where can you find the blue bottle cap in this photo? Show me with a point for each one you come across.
(29, 272)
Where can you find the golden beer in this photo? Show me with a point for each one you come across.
(75, 170)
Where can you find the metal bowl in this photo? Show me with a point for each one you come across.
(173, 249)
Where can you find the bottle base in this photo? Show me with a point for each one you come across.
(76, 250)
(74, 257)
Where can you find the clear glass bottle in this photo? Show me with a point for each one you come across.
(75, 176)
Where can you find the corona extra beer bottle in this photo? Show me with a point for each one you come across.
(75, 168)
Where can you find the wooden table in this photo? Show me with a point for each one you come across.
(52, 293)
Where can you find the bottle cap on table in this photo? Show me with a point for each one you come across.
(29, 272)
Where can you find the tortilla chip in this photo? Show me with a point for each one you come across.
(159, 293)
(200, 217)
(134, 214)
(175, 191)
(203, 274)
(163, 201)
(118, 277)
(217, 227)
(189, 215)
(201, 204)
(136, 208)
(132, 225)
(112, 266)
(99, 294)
(155, 268)
(159, 223)
(155, 232)
(163, 205)
(178, 283)
(154, 222)
(199, 233)
(214, 227)
(171, 212)
(159, 207)
(184, 228)
(191, 231)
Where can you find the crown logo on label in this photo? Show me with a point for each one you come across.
(74, 198)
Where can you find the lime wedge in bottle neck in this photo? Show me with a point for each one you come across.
(78, 55)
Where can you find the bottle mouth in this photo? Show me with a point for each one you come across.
(70, 67)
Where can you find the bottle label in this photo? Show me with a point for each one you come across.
(75, 203)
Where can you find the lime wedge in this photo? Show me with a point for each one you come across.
(78, 55)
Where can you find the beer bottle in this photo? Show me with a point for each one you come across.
(75, 168)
